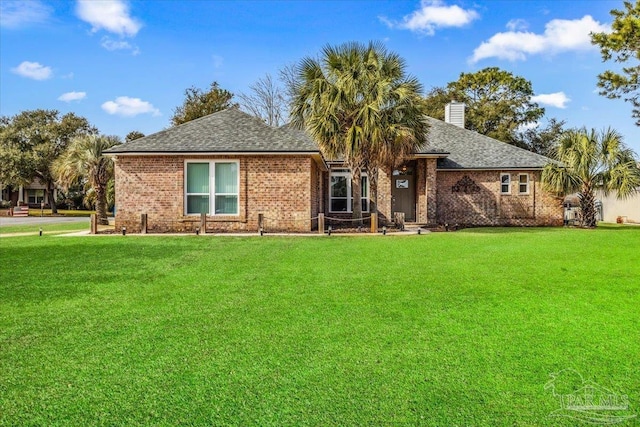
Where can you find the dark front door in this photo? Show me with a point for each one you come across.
(403, 193)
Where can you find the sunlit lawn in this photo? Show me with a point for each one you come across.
(53, 228)
(61, 212)
(440, 329)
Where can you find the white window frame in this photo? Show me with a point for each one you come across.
(520, 183)
(508, 183)
(212, 187)
(347, 175)
(38, 199)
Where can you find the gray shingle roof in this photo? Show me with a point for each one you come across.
(225, 131)
(471, 150)
(234, 131)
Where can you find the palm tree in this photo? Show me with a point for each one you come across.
(592, 161)
(358, 104)
(401, 116)
(84, 159)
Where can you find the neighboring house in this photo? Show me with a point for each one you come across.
(33, 194)
(233, 167)
(628, 210)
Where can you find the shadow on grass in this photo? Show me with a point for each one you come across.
(536, 230)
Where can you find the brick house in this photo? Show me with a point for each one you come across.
(233, 167)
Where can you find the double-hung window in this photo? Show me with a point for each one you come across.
(523, 183)
(35, 196)
(212, 187)
(340, 194)
(505, 183)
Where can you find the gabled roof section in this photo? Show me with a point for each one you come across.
(227, 131)
(470, 150)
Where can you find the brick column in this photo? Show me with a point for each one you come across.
(421, 190)
(431, 165)
(384, 197)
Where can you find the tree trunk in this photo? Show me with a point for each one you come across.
(373, 190)
(52, 201)
(588, 207)
(356, 193)
(101, 205)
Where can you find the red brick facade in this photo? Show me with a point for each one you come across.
(284, 189)
(473, 198)
(290, 192)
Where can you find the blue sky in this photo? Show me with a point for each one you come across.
(124, 65)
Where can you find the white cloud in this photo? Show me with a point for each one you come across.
(517, 25)
(33, 70)
(72, 96)
(109, 15)
(129, 107)
(559, 35)
(112, 45)
(16, 14)
(557, 99)
(434, 14)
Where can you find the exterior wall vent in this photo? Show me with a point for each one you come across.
(454, 113)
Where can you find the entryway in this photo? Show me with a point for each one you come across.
(403, 193)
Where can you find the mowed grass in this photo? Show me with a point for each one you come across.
(63, 212)
(47, 228)
(441, 329)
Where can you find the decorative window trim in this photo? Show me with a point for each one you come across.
(212, 183)
(349, 198)
(466, 185)
(504, 183)
(526, 183)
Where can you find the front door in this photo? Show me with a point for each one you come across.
(403, 194)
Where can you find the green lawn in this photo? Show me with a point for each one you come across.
(442, 329)
(53, 228)
(63, 212)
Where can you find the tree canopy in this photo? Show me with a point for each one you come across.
(541, 139)
(623, 46)
(498, 103)
(591, 161)
(199, 103)
(30, 142)
(133, 135)
(266, 100)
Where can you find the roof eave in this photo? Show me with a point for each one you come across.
(491, 168)
(430, 155)
(210, 153)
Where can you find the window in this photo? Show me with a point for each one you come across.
(523, 183)
(340, 197)
(35, 196)
(505, 183)
(212, 187)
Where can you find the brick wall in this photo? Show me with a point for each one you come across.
(279, 187)
(426, 190)
(472, 198)
(384, 197)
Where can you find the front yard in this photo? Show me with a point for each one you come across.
(441, 329)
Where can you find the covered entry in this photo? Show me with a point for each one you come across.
(403, 191)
